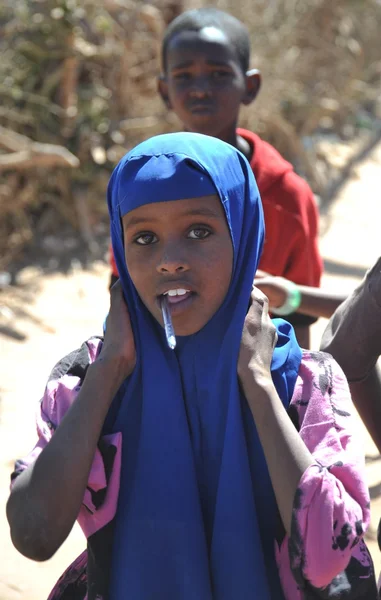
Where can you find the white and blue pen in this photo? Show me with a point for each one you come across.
(168, 327)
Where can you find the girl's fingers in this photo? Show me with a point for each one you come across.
(260, 308)
(260, 299)
(117, 298)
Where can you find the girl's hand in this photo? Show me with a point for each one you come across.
(259, 338)
(119, 344)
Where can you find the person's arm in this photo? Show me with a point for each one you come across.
(286, 455)
(316, 463)
(318, 302)
(47, 496)
(314, 301)
(353, 337)
(366, 396)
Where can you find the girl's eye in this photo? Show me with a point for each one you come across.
(199, 233)
(145, 239)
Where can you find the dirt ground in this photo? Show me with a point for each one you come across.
(47, 316)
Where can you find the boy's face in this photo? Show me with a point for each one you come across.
(184, 247)
(204, 83)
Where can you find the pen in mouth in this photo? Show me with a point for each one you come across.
(168, 327)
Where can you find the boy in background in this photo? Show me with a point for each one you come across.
(205, 80)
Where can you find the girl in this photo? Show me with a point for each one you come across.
(191, 482)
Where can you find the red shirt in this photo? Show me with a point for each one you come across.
(291, 217)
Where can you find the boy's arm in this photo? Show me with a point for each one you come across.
(314, 301)
(318, 302)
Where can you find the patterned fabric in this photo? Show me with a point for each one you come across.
(325, 557)
(72, 585)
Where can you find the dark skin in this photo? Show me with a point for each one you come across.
(205, 85)
(181, 244)
(286, 455)
(46, 497)
(353, 338)
(314, 301)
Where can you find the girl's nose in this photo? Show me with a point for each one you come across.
(172, 265)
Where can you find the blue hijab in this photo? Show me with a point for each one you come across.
(196, 512)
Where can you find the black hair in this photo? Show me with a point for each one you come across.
(198, 18)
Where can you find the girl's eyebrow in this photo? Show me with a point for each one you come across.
(201, 212)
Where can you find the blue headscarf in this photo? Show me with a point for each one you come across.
(196, 511)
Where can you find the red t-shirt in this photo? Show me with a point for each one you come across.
(291, 216)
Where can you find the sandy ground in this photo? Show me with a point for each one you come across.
(53, 314)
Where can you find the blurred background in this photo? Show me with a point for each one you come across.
(82, 75)
(78, 83)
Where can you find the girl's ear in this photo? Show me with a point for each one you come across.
(253, 80)
(162, 87)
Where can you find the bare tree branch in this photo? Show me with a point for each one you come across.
(26, 154)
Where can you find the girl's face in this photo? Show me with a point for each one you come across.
(181, 249)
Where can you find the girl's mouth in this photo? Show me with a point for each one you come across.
(177, 295)
(179, 300)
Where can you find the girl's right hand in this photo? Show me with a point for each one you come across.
(119, 344)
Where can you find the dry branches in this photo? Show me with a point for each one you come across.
(26, 154)
(78, 89)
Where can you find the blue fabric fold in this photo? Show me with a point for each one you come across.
(196, 513)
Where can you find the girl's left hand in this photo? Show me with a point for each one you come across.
(258, 341)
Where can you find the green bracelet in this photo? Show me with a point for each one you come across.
(293, 299)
